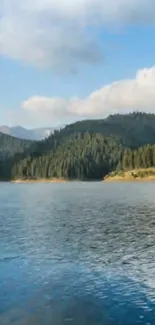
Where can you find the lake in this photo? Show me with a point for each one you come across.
(77, 253)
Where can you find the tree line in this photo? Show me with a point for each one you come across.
(83, 150)
(84, 157)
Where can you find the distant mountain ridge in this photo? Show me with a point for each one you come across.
(134, 129)
(28, 134)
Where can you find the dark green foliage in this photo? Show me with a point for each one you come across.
(83, 150)
(10, 145)
(133, 130)
(143, 157)
(82, 156)
(11, 149)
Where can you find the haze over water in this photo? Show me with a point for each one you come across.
(77, 253)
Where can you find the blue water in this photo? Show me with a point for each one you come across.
(77, 253)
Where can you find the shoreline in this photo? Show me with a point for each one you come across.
(54, 180)
(107, 180)
(135, 175)
(123, 179)
(41, 180)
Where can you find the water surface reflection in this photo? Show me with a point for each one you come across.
(77, 253)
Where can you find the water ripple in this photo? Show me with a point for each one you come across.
(77, 253)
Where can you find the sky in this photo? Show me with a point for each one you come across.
(67, 60)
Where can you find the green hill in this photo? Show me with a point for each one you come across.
(81, 156)
(9, 145)
(133, 130)
(84, 150)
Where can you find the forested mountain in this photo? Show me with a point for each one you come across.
(134, 130)
(85, 156)
(82, 156)
(83, 150)
(10, 145)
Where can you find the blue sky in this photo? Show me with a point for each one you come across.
(67, 82)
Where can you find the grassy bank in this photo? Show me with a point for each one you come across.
(147, 174)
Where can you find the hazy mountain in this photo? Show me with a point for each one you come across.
(29, 134)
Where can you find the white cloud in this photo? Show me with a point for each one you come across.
(56, 33)
(119, 97)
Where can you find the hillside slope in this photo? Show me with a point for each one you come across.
(134, 130)
(10, 145)
(81, 156)
(87, 149)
